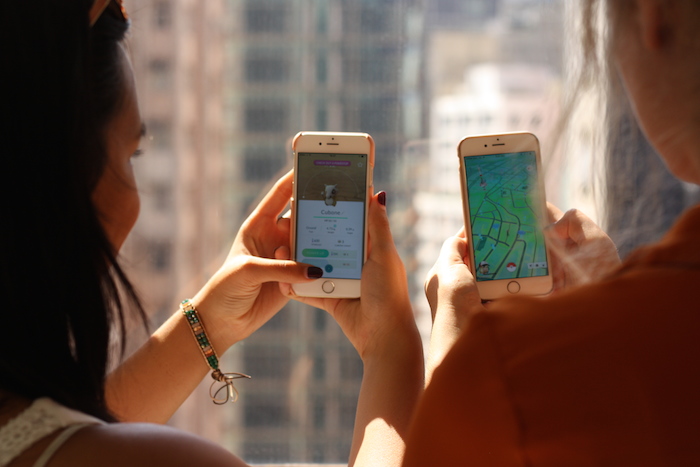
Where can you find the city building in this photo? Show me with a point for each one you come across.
(314, 65)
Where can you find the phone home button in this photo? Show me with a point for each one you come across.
(513, 287)
(328, 286)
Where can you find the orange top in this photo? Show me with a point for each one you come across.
(606, 374)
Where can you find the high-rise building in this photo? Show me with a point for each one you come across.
(314, 65)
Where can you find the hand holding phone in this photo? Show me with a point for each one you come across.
(332, 187)
(504, 214)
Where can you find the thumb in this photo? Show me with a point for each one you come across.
(260, 270)
(571, 226)
(378, 226)
(453, 251)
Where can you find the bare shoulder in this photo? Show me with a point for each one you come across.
(141, 444)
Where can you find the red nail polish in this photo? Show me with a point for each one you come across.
(314, 273)
(381, 197)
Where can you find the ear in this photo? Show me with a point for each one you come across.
(655, 27)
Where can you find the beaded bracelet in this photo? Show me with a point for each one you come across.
(210, 356)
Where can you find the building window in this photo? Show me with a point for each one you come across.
(263, 163)
(375, 19)
(160, 255)
(263, 410)
(267, 361)
(162, 195)
(321, 117)
(161, 74)
(269, 17)
(320, 320)
(348, 408)
(265, 452)
(266, 116)
(319, 364)
(319, 416)
(321, 68)
(267, 68)
(160, 135)
(162, 14)
(350, 367)
(379, 66)
(379, 115)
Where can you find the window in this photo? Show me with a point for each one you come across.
(319, 370)
(319, 409)
(350, 367)
(267, 361)
(262, 162)
(417, 75)
(266, 116)
(269, 17)
(160, 255)
(162, 14)
(160, 134)
(261, 67)
(161, 74)
(266, 411)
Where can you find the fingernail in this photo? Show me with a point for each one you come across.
(381, 197)
(314, 273)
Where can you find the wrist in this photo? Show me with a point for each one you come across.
(221, 333)
(211, 357)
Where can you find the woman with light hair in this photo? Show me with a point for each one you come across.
(603, 373)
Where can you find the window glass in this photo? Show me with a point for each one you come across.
(162, 16)
(227, 86)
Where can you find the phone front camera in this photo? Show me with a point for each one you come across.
(320, 144)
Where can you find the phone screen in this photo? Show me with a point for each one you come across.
(504, 211)
(330, 204)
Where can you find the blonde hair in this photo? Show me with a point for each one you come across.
(639, 198)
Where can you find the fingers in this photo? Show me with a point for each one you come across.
(278, 197)
(576, 226)
(453, 250)
(284, 225)
(449, 270)
(378, 225)
(261, 270)
(553, 213)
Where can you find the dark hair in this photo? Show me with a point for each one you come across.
(61, 84)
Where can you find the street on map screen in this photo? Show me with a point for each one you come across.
(504, 213)
(331, 190)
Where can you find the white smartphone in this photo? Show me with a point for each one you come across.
(332, 188)
(504, 213)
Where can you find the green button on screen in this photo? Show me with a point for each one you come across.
(314, 253)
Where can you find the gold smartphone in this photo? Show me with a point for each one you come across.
(504, 208)
(332, 189)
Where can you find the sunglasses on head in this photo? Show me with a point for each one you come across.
(99, 6)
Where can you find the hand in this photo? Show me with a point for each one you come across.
(453, 297)
(244, 294)
(381, 327)
(383, 314)
(581, 251)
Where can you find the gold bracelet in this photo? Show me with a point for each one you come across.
(210, 356)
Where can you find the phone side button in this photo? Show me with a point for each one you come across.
(513, 287)
(328, 286)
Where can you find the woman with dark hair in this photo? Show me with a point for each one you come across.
(605, 373)
(71, 126)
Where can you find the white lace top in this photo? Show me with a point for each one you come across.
(40, 419)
